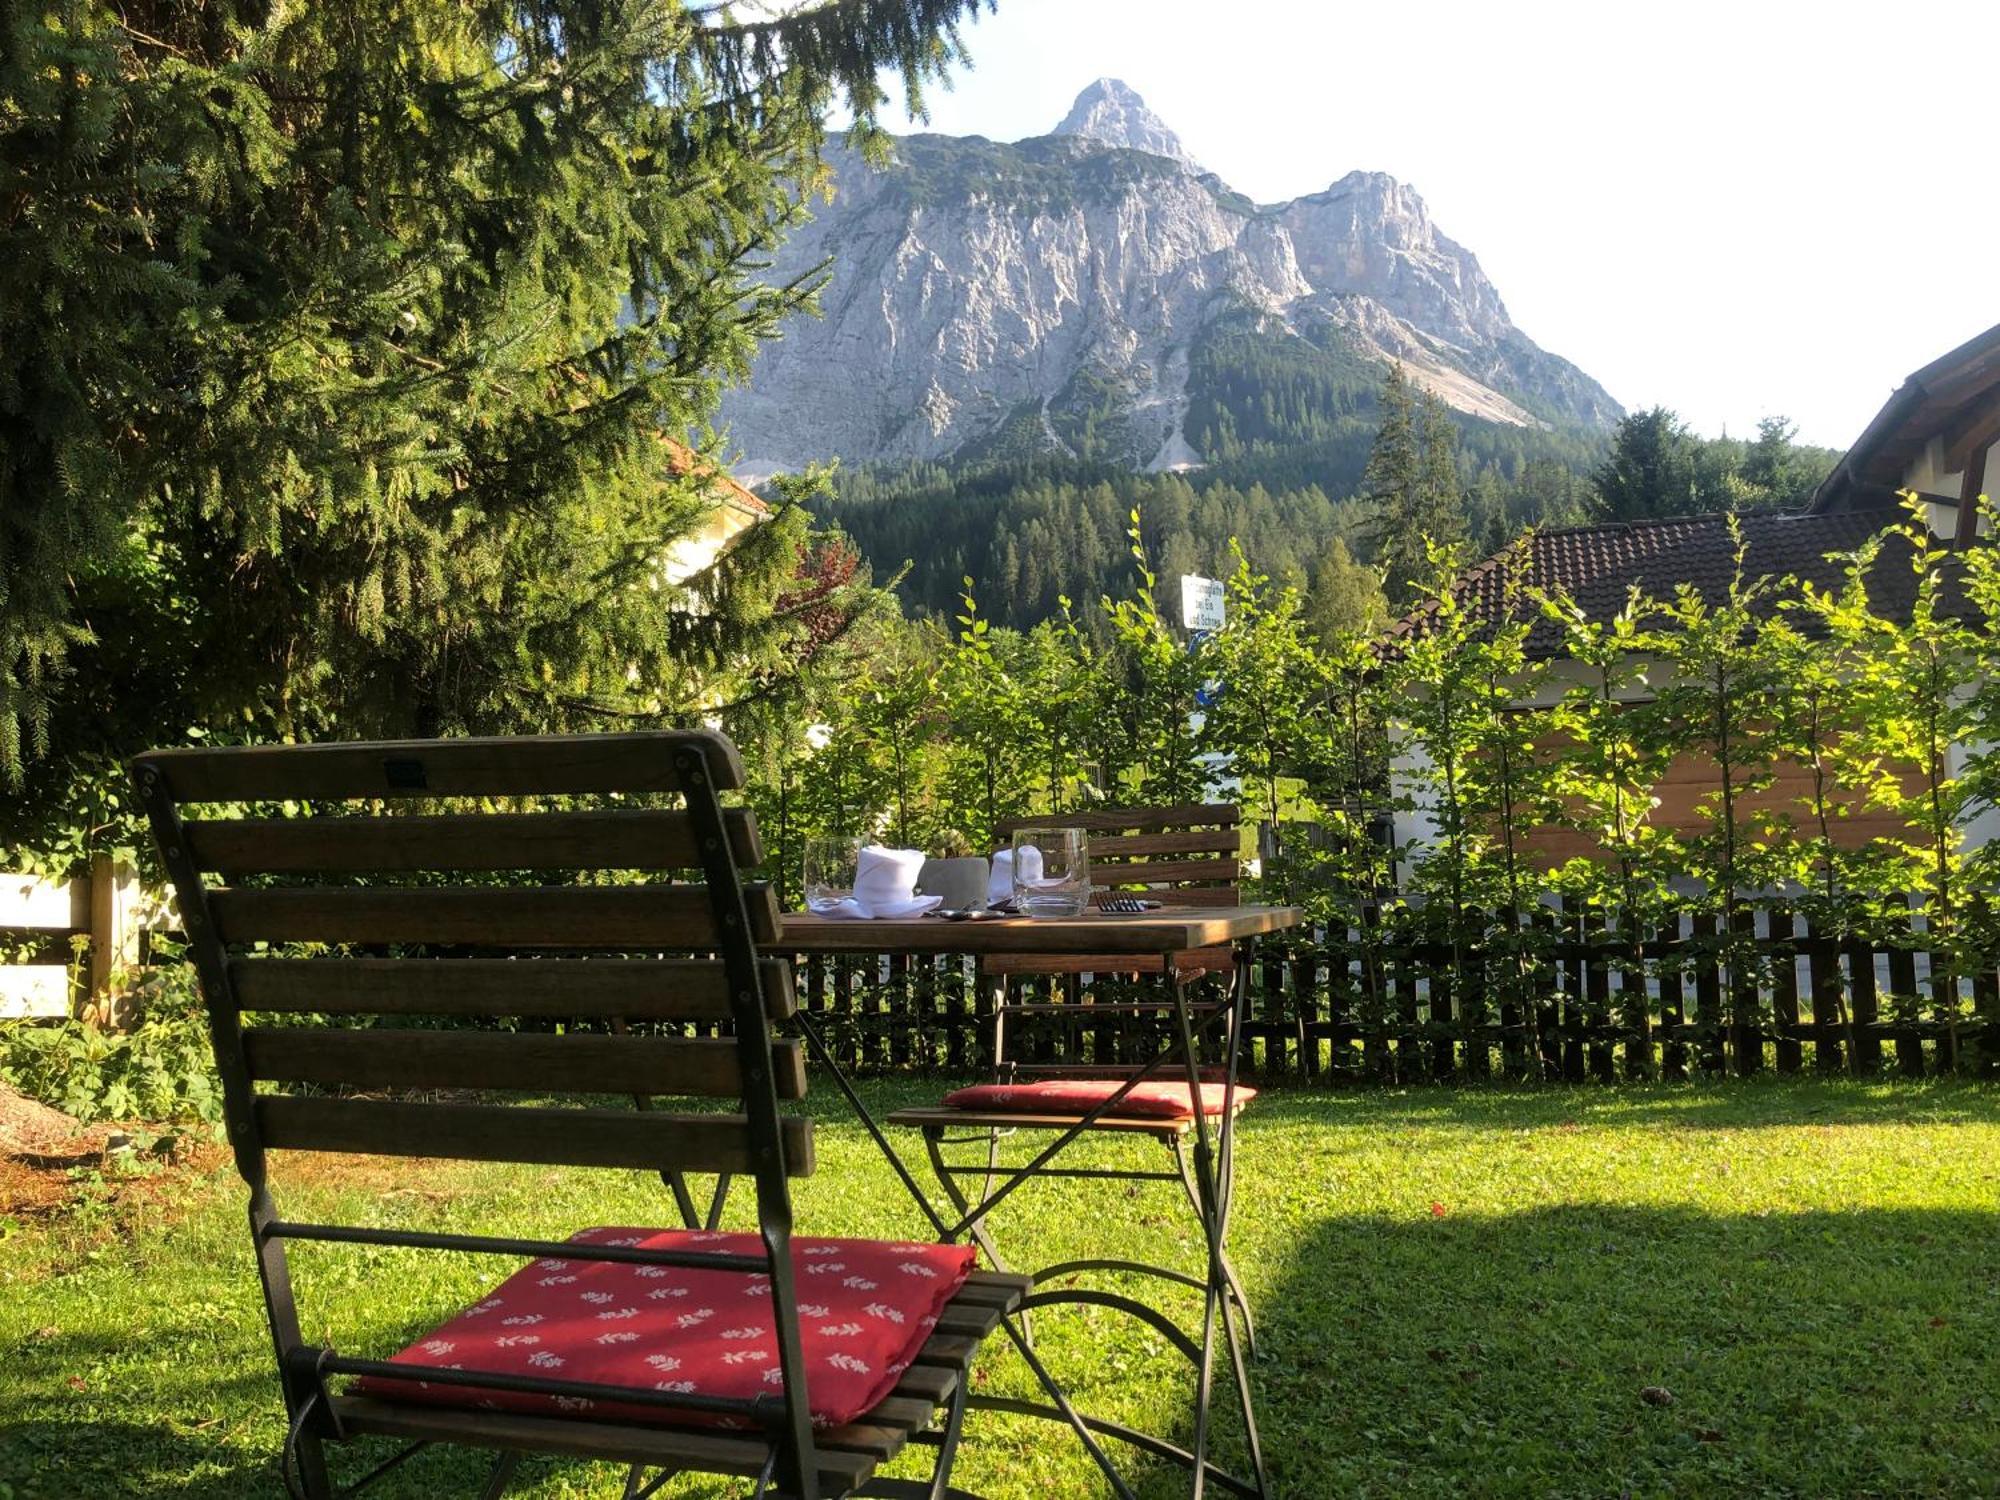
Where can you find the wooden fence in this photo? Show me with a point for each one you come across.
(1552, 997)
(44, 969)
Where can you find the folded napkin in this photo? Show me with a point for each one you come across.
(1000, 884)
(885, 882)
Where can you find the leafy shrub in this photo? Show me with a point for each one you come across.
(159, 1069)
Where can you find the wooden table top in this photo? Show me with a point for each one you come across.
(1168, 930)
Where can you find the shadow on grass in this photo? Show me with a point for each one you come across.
(1593, 1351)
(61, 1460)
(1710, 1104)
(70, 1460)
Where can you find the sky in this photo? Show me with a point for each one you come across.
(1732, 210)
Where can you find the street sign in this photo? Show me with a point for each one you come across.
(1201, 602)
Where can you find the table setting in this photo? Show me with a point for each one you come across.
(1042, 873)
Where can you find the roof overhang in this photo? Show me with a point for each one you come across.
(1955, 397)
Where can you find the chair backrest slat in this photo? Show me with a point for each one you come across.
(580, 1064)
(649, 1140)
(633, 916)
(636, 839)
(636, 989)
(1181, 815)
(523, 766)
(1188, 849)
(1172, 871)
(1150, 845)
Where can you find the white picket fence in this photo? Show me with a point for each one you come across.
(40, 921)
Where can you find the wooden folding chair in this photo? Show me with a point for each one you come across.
(803, 1364)
(1181, 857)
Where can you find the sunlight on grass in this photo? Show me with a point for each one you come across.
(1771, 1287)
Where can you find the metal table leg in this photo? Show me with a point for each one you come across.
(1208, 1184)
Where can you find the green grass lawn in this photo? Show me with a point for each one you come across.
(1460, 1294)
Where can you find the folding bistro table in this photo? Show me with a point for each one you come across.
(1209, 1178)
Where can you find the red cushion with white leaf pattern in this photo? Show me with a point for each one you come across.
(865, 1307)
(1078, 1096)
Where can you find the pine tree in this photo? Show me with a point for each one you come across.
(1440, 504)
(1412, 483)
(1651, 468)
(340, 345)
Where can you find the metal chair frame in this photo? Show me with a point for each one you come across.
(1208, 1180)
(695, 765)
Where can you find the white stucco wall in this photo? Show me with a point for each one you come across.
(1927, 475)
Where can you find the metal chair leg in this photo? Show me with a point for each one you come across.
(976, 1224)
(307, 1454)
(1237, 1297)
(947, 1455)
(503, 1471)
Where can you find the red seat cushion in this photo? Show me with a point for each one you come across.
(1077, 1096)
(865, 1307)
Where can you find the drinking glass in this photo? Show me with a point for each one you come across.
(830, 864)
(1051, 872)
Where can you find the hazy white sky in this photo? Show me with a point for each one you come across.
(1731, 209)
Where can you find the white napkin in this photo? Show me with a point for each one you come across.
(1000, 884)
(885, 881)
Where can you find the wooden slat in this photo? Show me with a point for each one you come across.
(603, 840)
(705, 1452)
(932, 1383)
(648, 1139)
(655, 989)
(1133, 819)
(936, 1117)
(1133, 846)
(535, 765)
(948, 1350)
(994, 1289)
(1172, 872)
(1100, 932)
(1075, 963)
(630, 916)
(968, 1320)
(883, 1431)
(399, 1058)
(1199, 961)
(1205, 896)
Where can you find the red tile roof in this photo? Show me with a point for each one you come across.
(1598, 566)
(682, 459)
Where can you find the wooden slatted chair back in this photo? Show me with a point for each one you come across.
(517, 882)
(1182, 856)
(400, 910)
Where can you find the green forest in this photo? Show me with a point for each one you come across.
(1326, 472)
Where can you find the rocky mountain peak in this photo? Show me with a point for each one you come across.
(1090, 294)
(1110, 110)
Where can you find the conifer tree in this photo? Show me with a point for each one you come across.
(1412, 482)
(343, 348)
(1440, 512)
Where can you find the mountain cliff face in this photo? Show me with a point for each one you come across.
(1092, 292)
(1111, 112)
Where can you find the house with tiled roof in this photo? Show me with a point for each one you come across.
(1599, 566)
(1935, 438)
(732, 510)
